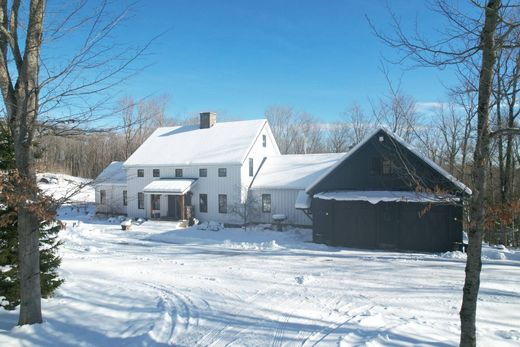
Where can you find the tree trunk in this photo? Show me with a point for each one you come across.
(480, 159)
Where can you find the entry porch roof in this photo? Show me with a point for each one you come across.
(169, 186)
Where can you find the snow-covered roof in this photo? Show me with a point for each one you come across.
(303, 201)
(296, 171)
(431, 163)
(113, 174)
(171, 186)
(375, 197)
(223, 143)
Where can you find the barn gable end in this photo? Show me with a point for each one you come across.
(383, 194)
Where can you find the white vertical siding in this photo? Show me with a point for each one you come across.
(282, 202)
(258, 152)
(114, 199)
(212, 185)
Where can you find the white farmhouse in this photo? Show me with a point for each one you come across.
(207, 171)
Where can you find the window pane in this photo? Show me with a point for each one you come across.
(264, 140)
(140, 201)
(102, 197)
(203, 202)
(251, 168)
(178, 172)
(203, 172)
(222, 172)
(156, 173)
(222, 203)
(266, 202)
(140, 172)
(387, 167)
(125, 198)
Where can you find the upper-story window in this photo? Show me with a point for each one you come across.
(140, 172)
(125, 198)
(222, 172)
(178, 172)
(156, 173)
(203, 172)
(102, 197)
(264, 140)
(387, 167)
(251, 167)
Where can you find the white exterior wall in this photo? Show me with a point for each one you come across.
(258, 152)
(282, 202)
(114, 199)
(212, 185)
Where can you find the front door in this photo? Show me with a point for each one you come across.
(174, 207)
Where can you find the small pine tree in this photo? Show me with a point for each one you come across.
(49, 242)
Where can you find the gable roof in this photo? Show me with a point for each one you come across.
(294, 171)
(223, 143)
(459, 185)
(114, 173)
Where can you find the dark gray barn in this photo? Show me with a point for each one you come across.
(384, 195)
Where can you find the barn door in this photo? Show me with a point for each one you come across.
(388, 226)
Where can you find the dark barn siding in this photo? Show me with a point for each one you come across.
(362, 170)
(387, 225)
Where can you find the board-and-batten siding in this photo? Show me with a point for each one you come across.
(257, 152)
(212, 185)
(114, 198)
(282, 202)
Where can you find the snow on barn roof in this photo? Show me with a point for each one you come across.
(375, 197)
(113, 174)
(295, 171)
(223, 143)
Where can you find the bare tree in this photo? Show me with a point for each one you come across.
(281, 120)
(337, 137)
(397, 111)
(359, 123)
(52, 92)
(466, 37)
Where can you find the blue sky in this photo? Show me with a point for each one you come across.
(239, 57)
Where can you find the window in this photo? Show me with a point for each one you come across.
(125, 198)
(178, 172)
(387, 167)
(222, 172)
(222, 203)
(375, 166)
(140, 201)
(264, 140)
(203, 172)
(266, 202)
(251, 168)
(102, 197)
(203, 202)
(140, 172)
(156, 173)
(156, 202)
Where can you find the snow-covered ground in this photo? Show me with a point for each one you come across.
(161, 285)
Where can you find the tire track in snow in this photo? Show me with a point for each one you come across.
(180, 313)
(314, 338)
(209, 338)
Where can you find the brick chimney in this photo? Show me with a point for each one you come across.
(207, 119)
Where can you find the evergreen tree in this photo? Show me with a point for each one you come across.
(49, 242)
